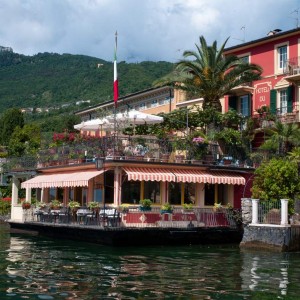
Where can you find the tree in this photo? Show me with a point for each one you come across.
(9, 121)
(282, 138)
(276, 179)
(25, 141)
(210, 75)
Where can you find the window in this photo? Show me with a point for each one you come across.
(152, 191)
(282, 57)
(131, 192)
(217, 192)
(244, 106)
(98, 192)
(190, 193)
(240, 104)
(283, 101)
(56, 193)
(245, 59)
(161, 102)
(154, 103)
(174, 193)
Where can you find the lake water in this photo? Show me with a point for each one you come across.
(34, 267)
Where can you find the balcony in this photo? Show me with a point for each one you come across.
(242, 89)
(130, 148)
(292, 70)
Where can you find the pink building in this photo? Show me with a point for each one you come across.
(278, 54)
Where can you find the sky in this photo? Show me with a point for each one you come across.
(148, 30)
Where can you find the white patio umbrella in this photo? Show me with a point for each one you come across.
(134, 117)
(94, 124)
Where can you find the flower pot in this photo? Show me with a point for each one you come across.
(145, 208)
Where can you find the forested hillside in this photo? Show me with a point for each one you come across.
(49, 79)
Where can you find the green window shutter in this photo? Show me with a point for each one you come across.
(232, 102)
(250, 104)
(273, 98)
(290, 99)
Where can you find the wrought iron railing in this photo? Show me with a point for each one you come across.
(178, 218)
(292, 66)
(269, 212)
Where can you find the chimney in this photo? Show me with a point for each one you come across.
(273, 32)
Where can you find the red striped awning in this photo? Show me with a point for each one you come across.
(226, 177)
(61, 180)
(183, 175)
(149, 174)
(192, 176)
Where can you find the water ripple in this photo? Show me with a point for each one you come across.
(39, 268)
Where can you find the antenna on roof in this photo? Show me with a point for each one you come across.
(297, 18)
(244, 38)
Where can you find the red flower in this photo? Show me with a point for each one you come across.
(8, 199)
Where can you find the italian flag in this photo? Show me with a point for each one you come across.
(116, 89)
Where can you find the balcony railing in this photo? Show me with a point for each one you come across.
(142, 148)
(196, 217)
(292, 66)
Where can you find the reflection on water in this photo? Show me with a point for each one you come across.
(39, 268)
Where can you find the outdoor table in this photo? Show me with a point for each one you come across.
(81, 215)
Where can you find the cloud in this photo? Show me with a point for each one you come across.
(147, 30)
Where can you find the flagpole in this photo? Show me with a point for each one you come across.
(116, 90)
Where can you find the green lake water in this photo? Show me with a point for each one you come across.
(33, 267)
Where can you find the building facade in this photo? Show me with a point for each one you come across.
(278, 55)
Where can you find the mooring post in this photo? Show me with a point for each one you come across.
(284, 211)
(254, 211)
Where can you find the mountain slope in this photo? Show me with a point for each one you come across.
(50, 79)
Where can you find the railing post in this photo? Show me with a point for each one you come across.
(284, 212)
(254, 211)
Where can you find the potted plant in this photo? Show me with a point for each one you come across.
(55, 204)
(73, 205)
(124, 208)
(166, 208)
(40, 205)
(26, 205)
(217, 207)
(187, 207)
(94, 206)
(145, 205)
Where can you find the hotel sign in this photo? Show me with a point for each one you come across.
(262, 94)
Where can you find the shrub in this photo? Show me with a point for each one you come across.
(5, 207)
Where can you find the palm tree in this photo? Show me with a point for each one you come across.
(210, 75)
(283, 137)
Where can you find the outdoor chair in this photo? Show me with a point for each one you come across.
(38, 214)
(64, 215)
(54, 214)
(45, 216)
(92, 218)
(109, 217)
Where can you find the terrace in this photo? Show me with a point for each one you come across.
(133, 216)
(146, 149)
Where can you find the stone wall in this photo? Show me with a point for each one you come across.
(246, 210)
(274, 238)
